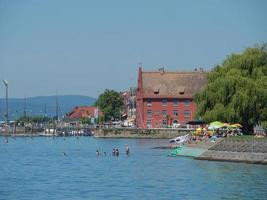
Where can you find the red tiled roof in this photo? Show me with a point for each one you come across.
(82, 111)
(172, 84)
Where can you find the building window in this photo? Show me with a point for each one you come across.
(186, 113)
(164, 102)
(186, 103)
(175, 103)
(149, 113)
(149, 102)
(164, 123)
(149, 123)
(156, 113)
(164, 112)
(175, 112)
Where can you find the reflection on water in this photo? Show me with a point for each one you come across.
(38, 169)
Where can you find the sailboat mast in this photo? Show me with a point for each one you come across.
(56, 107)
(24, 108)
(45, 110)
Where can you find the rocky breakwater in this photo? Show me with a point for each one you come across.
(248, 151)
(140, 133)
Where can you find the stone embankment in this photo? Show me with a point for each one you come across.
(252, 151)
(140, 133)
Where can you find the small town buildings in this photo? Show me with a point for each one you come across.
(129, 107)
(165, 99)
(83, 112)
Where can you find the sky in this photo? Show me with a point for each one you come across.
(83, 47)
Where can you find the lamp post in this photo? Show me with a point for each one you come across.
(6, 85)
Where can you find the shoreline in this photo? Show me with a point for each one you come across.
(222, 150)
(166, 133)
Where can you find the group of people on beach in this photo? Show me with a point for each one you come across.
(115, 151)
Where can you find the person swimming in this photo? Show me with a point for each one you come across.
(117, 152)
(127, 150)
(113, 152)
(97, 152)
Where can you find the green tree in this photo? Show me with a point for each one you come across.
(110, 103)
(237, 90)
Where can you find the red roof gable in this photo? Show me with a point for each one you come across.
(83, 112)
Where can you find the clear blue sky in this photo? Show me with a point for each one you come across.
(83, 47)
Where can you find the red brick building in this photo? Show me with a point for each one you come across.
(83, 112)
(166, 98)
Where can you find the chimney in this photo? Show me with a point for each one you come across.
(161, 70)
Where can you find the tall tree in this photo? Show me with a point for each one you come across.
(237, 90)
(110, 103)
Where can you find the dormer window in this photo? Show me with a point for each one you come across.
(156, 90)
(181, 90)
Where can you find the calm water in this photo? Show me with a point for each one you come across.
(37, 169)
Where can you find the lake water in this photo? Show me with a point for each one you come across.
(37, 169)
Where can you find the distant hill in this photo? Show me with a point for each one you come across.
(42, 105)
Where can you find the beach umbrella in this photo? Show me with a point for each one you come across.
(216, 125)
(226, 124)
(237, 125)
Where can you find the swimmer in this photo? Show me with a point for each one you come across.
(117, 152)
(97, 152)
(113, 152)
(127, 150)
(105, 153)
(64, 154)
